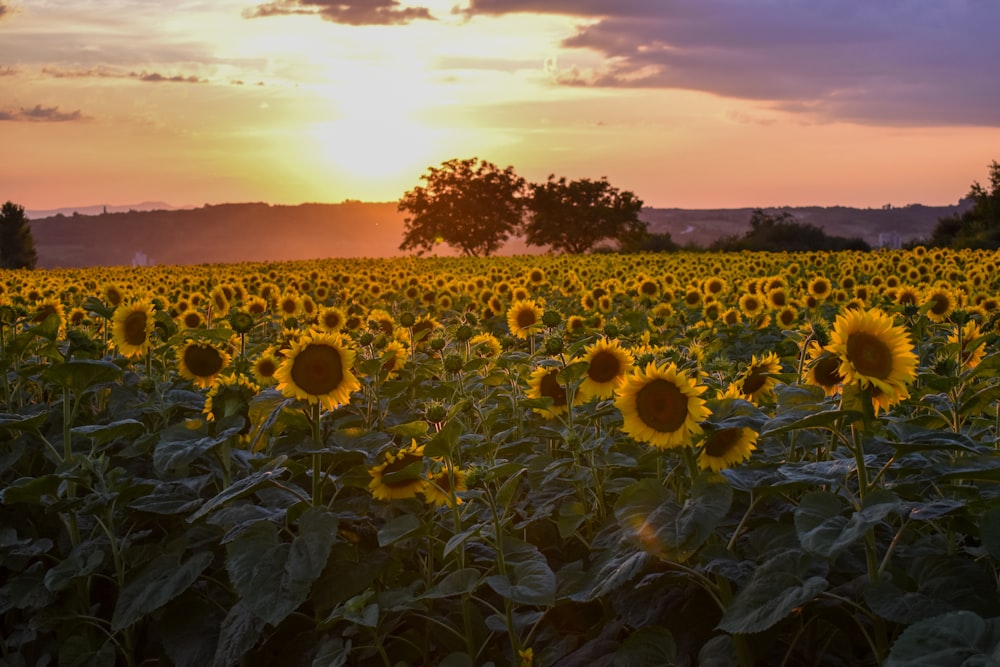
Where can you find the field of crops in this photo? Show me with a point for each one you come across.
(674, 459)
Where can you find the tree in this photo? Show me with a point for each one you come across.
(468, 204)
(782, 231)
(17, 246)
(574, 216)
(979, 226)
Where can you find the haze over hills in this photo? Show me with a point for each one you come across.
(264, 232)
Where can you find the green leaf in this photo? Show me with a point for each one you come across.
(444, 441)
(155, 584)
(989, 531)
(776, 589)
(955, 639)
(905, 607)
(795, 421)
(31, 490)
(529, 579)
(169, 498)
(399, 528)
(825, 531)
(102, 434)
(650, 646)
(85, 559)
(15, 422)
(79, 375)
(458, 582)
(647, 511)
(243, 487)
(414, 429)
(77, 651)
(572, 514)
(174, 453)
(272, 577)
(240, 632)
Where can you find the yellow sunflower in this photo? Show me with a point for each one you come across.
(393, 357)
(726, 447)
(265, 366)
(201, 362)
(755, 382)
(131, 327)
(970, 343)
(522, 317)
(400, 475)
(331, 319)
(443, 484)
(544, 383)
(608, 362)
(486, 345)
(941, 302)
(661, 405)
(230, 397)
(317, 368)
(823, 369)
(875, 353)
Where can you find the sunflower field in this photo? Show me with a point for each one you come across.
(657, 459)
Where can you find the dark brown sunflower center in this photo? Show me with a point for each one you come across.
(827, 372)
(550, 387)
(317, 369)
(266, 368)
(605, 366)
(525, 318)
(941, 304)
(751, 305)
(722, 442)
(332, 321)
(202, 361)
(661, 406)
(134, 328)
(870, 355)
(754, 382)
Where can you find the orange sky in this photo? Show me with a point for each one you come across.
(706, 104)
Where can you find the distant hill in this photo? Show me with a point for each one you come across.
(262, 232)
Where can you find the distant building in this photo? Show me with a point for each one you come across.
(142, 259)
(890, 240)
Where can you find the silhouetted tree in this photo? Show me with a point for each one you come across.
(471, 205)
(979, 226)
(573, 216)
(17, 246)
(781, 231)
(649, 242)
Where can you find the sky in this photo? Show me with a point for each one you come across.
(686, 103)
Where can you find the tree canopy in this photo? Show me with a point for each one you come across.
(979, 226)
(17, 246)
(781, 231)
(574, 216)
(468, 204)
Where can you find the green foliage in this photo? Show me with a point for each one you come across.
(17, 246)
(979, 226)
(782, 232)
(574, 216)
(469, 204)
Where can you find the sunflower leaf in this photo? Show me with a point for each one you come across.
(956, 638)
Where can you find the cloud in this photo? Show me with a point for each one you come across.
(38, 113)
(366, 12)
(3, 10)
(895, 62)
(156, 77)
(112, 73)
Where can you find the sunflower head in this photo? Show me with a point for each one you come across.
(823, 370)
(400, 475)
(317, 368)
(544, 383)
(523, 318)
(726, 447)
(608, 362)
(662, 406)
(443, 484)
(874, 353)
(755, 383)
(132, 326)
(201, 362)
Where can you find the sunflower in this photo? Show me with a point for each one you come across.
(755, 382)
(544, 382)
(725, 447)
(874, 353)
(443, 484)
(393, 357)
(969, 338)
(819, 288)
(190, 319)
(317, 368)
(751, 305)
(231, 397)
(940, 301)
(608, 362)
(660, 405)
(486, 345)
(400, 475)
(823, 369)
(131, 327)
(331, 319)
(201, 362)
(265, 366)
(522, 316)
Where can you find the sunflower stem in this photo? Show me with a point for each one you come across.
(317, 459)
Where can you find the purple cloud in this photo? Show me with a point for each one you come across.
(41, 114)
(365, 12)
(923, 62)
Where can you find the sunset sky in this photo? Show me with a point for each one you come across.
(687, 103)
